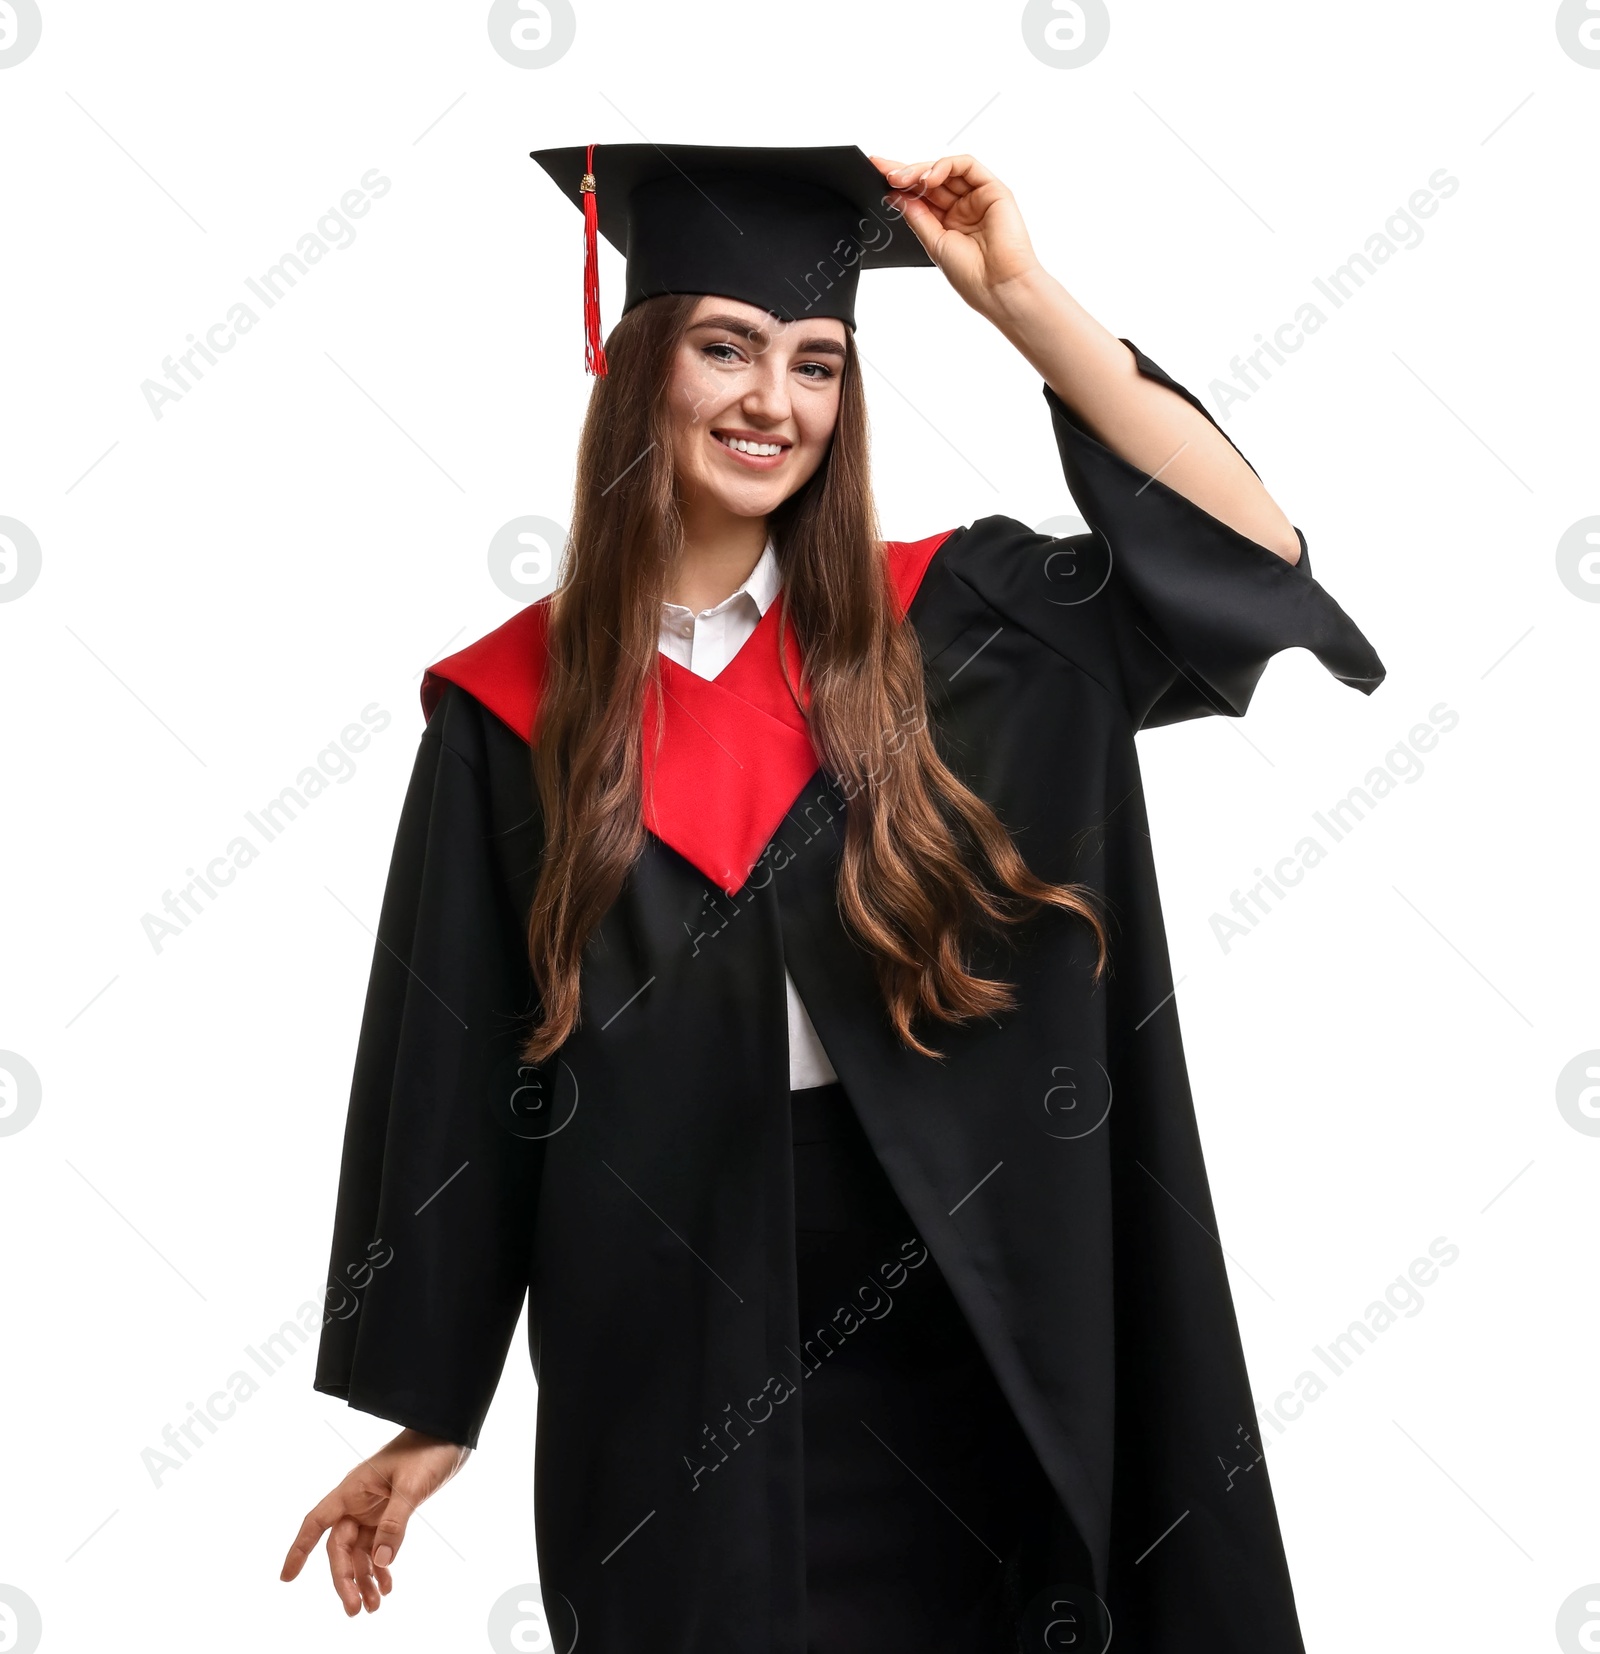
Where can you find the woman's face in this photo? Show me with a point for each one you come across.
(742, 376)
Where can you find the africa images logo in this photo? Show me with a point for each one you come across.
(20, 28)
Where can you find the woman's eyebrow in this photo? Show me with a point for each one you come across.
(759, 337)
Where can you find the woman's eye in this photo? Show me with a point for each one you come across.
(729, 354)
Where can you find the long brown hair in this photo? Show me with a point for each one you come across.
(924, 858)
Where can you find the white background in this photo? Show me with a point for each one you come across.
(223, 589)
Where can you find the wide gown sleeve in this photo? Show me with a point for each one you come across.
(1165, 604)
(433, 1228)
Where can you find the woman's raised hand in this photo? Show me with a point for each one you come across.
(366, 1514)
(967, 220)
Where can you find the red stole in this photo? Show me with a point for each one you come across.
(735, 750)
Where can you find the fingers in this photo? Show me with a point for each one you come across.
(905, 177)
(361, 1580)
(374, 1580)
(371, 1596)
(346, 1515)
(941, 182)
(318, 1520)
(955, 172)
(390, 1529)
(926, 220)
(960, 173)
(901, 176)
(365, 1517)
(350, 1565)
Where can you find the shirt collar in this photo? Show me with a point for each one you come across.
(764, 579)
(762, 583)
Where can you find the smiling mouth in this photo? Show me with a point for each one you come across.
(768, 453)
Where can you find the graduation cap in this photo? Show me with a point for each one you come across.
(789, 230)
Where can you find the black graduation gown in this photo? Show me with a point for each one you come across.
(639, 1189)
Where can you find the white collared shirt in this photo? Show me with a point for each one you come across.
(705, 643)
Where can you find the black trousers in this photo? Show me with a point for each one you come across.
(920, 1486)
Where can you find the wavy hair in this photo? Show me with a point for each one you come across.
(925, 863)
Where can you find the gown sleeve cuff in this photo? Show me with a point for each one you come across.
(407, 1412)
(1220, 605)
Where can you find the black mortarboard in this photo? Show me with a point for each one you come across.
(789, 230)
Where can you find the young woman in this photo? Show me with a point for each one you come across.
(792, 1029)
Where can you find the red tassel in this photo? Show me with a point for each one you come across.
(594, 356)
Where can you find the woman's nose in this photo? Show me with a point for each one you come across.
(767, 401)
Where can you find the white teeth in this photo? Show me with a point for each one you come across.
(740, 445)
